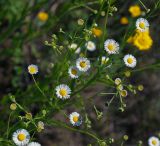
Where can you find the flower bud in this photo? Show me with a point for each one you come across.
(28, 116)
(117, 81)
(13, 106)
(127, 74)
(140, 87)
(125, 137)
(123, 93)
(40, 126)
(80, 22)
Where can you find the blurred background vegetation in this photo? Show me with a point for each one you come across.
(22, 37)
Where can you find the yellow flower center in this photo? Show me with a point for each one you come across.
(83, 64)
(130, 60)
(154, 142)
(75, 119)
(74, 71)
(90, 45)
(111, 47)
(142, 25)
(21, 137)
(63, 92)
(32, 70)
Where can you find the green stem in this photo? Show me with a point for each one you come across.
(110, 101)
(143, 5)
(39, 87)
(9, 119)
(93, 78)
(154, 66)
(61, 124)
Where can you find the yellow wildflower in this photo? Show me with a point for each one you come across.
(143, 41)
(124, 20)
(42, 16)
(96, 32)
(135, 11)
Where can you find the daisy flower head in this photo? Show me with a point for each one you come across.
(83, 64)
(21, 137)
(90, 46)
(142, 24)
(33, 69)
(130, 60)
(63, 91)
(111, 46)
(153, 141)
(75, 119)
(34, 144)
(73, 72)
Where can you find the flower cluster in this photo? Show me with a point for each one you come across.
(79, 70)
(141, 38)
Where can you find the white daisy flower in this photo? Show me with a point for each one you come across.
(111, 46)
(83, 64)
(90, 46)
(153, 141)
(33, 69)
(75, 119)
(142, 24)
(73, 72)
(104, 60)
(130, 60)
(34, 144)
(63, 91)
(21, 137)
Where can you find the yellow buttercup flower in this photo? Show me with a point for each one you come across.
(143, 41)
(42, 16)
(135, 11)
(124, 20)
(96, 32)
